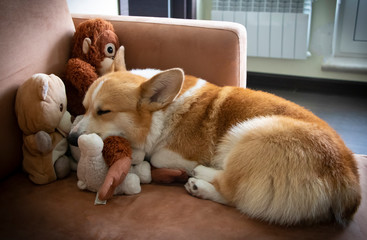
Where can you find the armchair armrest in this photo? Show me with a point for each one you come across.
(214, 51)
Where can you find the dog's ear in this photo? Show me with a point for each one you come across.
(162, 89)
(119, 60)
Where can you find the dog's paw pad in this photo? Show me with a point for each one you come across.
(195, 187)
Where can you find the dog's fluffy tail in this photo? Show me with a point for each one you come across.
(290, 172)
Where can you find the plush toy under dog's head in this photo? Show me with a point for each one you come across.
(94, 173)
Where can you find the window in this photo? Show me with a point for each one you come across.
(350, 37)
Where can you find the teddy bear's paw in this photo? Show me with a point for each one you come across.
(81, 185)
(131, 185)
(90, 144)
(43, 141)
(143, 171)
(62, 167)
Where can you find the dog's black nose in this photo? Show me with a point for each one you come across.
(73, 139)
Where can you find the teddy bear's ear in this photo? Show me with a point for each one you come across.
(86, 45)
(119, 60)
(42, 89)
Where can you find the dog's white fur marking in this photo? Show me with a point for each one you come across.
(147, 73)
(165, 158)
(200, 184)
(97, 89)
(80, 124)
(155, 132)
(205, 173)
(200, 83)
(205, 190)
(236, 134)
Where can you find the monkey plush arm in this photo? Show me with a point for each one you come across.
(79, 75)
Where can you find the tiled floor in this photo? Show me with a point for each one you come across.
(347, 114)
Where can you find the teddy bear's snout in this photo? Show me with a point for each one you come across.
(73, 138)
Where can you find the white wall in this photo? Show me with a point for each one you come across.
(103, 7)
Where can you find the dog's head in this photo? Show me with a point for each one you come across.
(122, 103)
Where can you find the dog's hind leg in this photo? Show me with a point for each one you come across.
(201, 184)
(205, 190)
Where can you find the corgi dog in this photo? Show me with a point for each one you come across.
(268, 157)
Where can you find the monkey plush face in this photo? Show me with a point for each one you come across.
(102, 51)
(96, 43)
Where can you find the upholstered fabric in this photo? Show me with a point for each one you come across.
(61, 211)
(214, 51)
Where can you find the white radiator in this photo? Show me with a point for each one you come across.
(275, 28)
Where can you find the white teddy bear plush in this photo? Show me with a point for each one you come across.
(92, 168)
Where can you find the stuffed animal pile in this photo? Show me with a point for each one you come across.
(104, 164)
(96, 50)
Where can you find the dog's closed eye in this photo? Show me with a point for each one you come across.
(102, 112)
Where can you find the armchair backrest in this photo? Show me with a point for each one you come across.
(35, 38)
(214, 51)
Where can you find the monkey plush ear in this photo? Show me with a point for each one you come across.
(119, 60)
(86, 45)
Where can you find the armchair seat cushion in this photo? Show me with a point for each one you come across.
(61, 211)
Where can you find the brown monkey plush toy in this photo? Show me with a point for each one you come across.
(94, 47)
